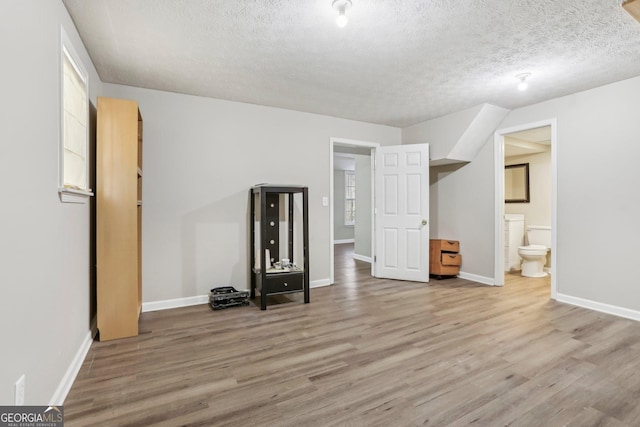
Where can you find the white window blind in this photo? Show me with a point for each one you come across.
(349, 198)
(73, 182)
(74, 123)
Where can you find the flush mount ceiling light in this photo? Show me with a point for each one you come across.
(341, 6)
(523, 85)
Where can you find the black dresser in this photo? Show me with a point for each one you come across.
(279, 231)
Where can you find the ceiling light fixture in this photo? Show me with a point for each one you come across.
(341, 6)
(523, 85)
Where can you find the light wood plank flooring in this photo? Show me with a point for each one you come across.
(370, 352)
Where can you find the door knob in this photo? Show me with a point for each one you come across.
(425, 222)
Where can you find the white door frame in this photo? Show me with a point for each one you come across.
(333, 141)
(499, 198)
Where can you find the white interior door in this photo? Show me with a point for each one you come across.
(402, 212)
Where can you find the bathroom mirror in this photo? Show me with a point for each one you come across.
(516, 183)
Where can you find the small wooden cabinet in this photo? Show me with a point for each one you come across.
(118, 217)
(444, 257)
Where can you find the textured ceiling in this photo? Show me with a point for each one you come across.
(397, 62)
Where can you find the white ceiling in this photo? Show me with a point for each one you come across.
(345, 162)
(541, 135)
(397, 62)
(527, 142)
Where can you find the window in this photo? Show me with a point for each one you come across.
(349, 198)
(74, 129)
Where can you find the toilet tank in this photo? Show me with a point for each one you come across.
(539, 235)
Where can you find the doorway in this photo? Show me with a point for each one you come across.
(364, 236)
(517, 144)
(398, 210)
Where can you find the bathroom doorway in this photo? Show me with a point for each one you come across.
(526, 171)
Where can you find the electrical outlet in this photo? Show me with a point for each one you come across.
(19, 388)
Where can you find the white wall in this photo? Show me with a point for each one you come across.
(44, 244)
(443, 133)
(201, 156)
(362, 244)
(598, 211)
(538, 210)
(461, 202)
(598, 148)
(340, 231)
(461, 194)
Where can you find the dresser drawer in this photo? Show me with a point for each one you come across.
(447, 245)
(450, 259)
(284, 282)
(445, 270)
(444, 257)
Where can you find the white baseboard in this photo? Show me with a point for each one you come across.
(339, 242)
(174, 303)
(599, 306)
(362, 258)
(476, 278)
(203, 299)
(319, 283)
(72, 371)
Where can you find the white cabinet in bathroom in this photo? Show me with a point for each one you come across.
(513, 238)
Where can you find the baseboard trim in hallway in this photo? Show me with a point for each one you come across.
(362, 258)
(343, 241)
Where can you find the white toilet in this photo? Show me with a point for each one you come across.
(534, 256)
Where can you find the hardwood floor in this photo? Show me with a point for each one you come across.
(369, 352)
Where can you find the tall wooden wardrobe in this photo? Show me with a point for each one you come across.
(118, 217)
